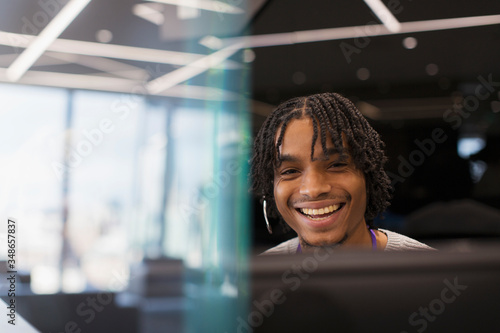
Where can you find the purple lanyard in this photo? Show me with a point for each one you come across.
(374, 239)
(372, 234)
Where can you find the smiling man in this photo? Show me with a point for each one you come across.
(318, 165)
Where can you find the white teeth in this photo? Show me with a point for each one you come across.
(320, 211)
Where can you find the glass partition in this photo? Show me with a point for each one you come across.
(137, 154)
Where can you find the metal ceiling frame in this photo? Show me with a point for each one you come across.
(114, 75)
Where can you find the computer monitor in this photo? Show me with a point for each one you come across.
(439, 291)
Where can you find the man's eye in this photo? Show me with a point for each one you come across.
(288, 172)
(338, 165)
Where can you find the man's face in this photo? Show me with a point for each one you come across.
(323, 200)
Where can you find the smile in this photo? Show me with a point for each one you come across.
(321, 213)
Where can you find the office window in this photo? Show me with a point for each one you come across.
(149, 198)
(98, 181)
(105, 133)
(32, 121)
(113, 148)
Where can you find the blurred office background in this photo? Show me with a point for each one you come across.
(125, 137)
(429, 68)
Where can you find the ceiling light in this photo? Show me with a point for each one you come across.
(112, 51)
(182, 74)
(105, 65)
(431, 69)
(318, 35)
(55, 27)
(410, 43)
(369, 110)
(210, 5)
(299, 78)
(363, 74)
(211, 42)
(248, 55)
(187, 12)
(384, 14)
(147, 12)
(104, 36)
(495, 106)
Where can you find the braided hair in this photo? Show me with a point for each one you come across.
(334, 116)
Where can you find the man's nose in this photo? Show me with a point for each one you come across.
(314, 184)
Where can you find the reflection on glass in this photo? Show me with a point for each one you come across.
(213, 214)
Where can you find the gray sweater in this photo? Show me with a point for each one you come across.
(395, 242)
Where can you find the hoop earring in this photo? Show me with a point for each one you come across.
(264, 205)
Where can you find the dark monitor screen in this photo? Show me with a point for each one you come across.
(438, 291)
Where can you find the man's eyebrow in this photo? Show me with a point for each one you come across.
(288, 158)
(329, 151)
(333, 151)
